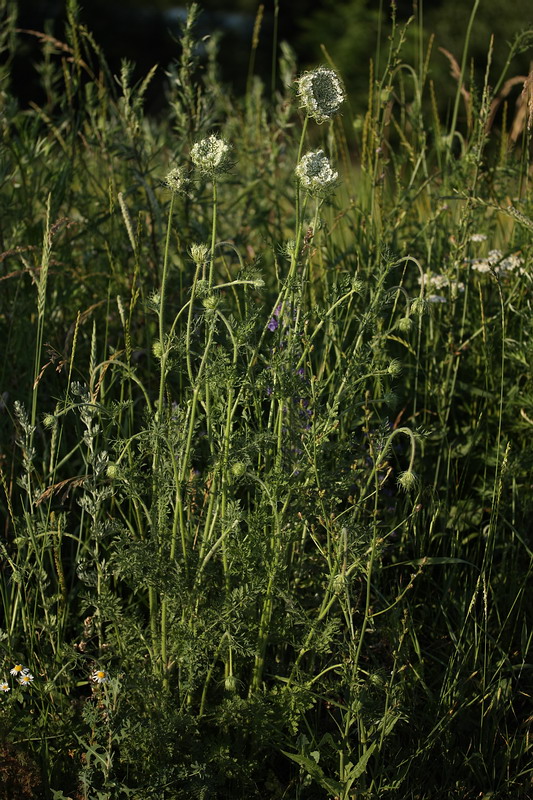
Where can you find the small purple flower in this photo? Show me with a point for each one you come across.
(274, 323)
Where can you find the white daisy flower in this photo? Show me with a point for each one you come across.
(25, 679)
(18, 669)
(99, 676)
(321, 93)
(5, 687)
(315, 173)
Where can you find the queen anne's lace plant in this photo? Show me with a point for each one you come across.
(321, 93)
(175, 180)
(495, 262)
(315, 173)
(211, 155)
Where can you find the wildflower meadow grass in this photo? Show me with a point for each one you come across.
(266, 430)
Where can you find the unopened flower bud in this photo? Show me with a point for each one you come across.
(238, 469)
(407, 480)
(418, 306)
(405, 324)
(210, 302)
(199, 253)
(339, 584)
(394, 367)
(112, 471)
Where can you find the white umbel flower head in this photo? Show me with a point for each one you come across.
(175, 180)
(211, 155)
(321, 93)
(315, 173)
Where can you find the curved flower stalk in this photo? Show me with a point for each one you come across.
(321, 93)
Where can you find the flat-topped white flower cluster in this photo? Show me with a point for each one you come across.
(321, 93)
(211, 155)
(495, 262)
(315, 173)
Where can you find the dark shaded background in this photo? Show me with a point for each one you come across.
(147, 32)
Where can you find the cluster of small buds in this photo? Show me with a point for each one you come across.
(321, 93)
(211, 155)
(394, 368)
(407, 480)
(495, 262)
(405, 324)
(315, 173)
(199, 253)
(478, 237)
(175, 180)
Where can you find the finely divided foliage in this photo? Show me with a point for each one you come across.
(265, 462)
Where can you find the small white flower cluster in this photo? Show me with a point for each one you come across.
(175, 180)
(495, 262)
(315, 173)
(211, 155)
(478, 237)
(440, 282)
(321, 93)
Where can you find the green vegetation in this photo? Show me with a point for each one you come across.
(265, 434)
